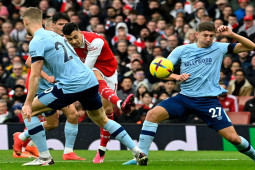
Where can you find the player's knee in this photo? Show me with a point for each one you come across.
(108, 110)
(73, 117)
(153, 116)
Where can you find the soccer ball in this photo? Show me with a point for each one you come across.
(161, 67)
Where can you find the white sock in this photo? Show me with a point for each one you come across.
(31, 143)
(102, 148)
(118, 104)
(68, 150)
(44, 154)
(136, 150)
(22, 136)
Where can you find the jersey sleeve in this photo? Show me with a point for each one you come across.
(175, 55)
(94, 50)
(224, 47)
(36, 48)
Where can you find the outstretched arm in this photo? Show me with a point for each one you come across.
(244, 43)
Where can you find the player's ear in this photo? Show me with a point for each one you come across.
(196, 34)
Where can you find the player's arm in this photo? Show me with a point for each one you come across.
(174, 57)
(94, 50)
(244, 43)
(50, 79)
(34, 79)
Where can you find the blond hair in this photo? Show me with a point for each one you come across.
(33, 13)
(47, 23)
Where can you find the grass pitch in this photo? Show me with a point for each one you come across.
(181, 160)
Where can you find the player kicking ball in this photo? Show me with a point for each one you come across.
(95, 53)
(200, 72)
(75, 82)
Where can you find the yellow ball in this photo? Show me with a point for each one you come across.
(161, 67)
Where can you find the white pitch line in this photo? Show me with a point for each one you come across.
(162, 160)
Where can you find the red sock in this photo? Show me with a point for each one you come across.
(105, 135)
(108, 93)
(26, 142)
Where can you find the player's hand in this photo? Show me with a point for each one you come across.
(51, 79)
(183, 77)
(225, 30)
(27, 111)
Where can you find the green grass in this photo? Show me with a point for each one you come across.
(182, 160)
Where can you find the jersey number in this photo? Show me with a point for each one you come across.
(66, 56)
(214, 112)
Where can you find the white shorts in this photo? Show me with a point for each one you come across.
(112, 81)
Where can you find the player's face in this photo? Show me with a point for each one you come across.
(58, 26)
(205, 38)
(75, 39)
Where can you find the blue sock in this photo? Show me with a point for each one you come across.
(147, 135)
(119, 133)
(71, 131)
(36, 132)
(26, 134)
(246, 148)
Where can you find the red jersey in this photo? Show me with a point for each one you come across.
(97, 49)
(229, 104)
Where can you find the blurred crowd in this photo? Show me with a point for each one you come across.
(137, 31)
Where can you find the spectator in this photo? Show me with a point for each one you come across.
(16, 109)
(139, 25)
(3, 74)
(141, 88)
(16, 59)
(126, 88)
(247, 29)
(235, 66)
(19, 95)
(140, 42)
(226, 66)
(139, 76)
(146, 106)
(3, 111)
(240, 86)
(250, 71)
(17, 73)
(250, 107)
(240, 13)
(227, 11)
(233, 23)
(216, 10)
(122, 51)
(93, 22)
(169, 87)
(190, 37)
(135, 64)
(7, 28)
(18, 34)
(227, 101)
(245, 59)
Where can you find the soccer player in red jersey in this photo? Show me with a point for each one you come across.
(95, 52)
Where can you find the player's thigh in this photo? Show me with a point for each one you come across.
(111, 81)
(173, 106)
(108, 106)
(210, 110)
(56, 99)
(90, 99)
(38, 107)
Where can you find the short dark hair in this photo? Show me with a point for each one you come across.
(206, 26)
(240, 70)
(60, 15)
(69, 28)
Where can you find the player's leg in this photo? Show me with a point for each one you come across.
(37, 133)
(239, 142)
(97, 115)
(108, 92)
(168, 108)
(71, 130)
(104, 135)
